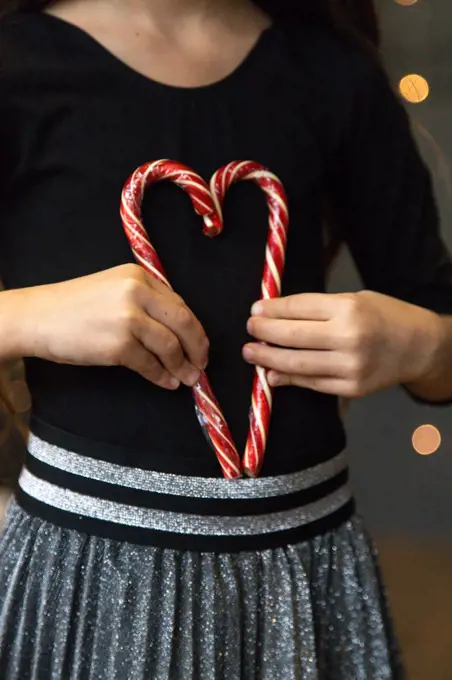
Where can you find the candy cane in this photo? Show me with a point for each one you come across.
(208, 203)
(132, 196)
(275, 255)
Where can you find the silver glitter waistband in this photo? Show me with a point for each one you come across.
(124, 481)
(179, 522)
(180, 485)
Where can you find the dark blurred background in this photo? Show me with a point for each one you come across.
(406, 497)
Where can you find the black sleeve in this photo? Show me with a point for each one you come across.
(382, 196)
(6, 154)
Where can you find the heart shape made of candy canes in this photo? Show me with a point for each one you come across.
(207, 202)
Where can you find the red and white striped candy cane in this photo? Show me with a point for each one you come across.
(208, 204)
(132, 198)
(146, 255)
(275, 255)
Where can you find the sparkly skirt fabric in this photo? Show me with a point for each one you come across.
(77, 607)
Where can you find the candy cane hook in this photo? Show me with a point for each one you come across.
(275, 256)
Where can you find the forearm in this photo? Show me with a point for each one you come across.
(435, 385)
(12, 325)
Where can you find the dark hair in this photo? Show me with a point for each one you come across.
(356, 18)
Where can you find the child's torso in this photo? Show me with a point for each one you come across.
(81, 122)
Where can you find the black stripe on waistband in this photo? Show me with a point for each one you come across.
(175, 541)
(185, 504)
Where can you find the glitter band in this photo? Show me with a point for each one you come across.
(98, 497)
(176, 522)
(179, 485)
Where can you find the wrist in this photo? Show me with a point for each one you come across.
(423, 360)
(15, 315)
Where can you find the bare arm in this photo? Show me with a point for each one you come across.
(118, 317)
(12, 345)
(436, 384)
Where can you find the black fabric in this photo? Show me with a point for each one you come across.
(384, 202)
(76, 122)
(151, 458)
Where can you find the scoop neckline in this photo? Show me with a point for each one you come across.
(236, 75)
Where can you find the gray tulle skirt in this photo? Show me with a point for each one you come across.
(77, 607)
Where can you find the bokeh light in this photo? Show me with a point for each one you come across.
(426, 440)
(414, 88)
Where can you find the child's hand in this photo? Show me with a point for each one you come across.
(349, 345)
(121, 316)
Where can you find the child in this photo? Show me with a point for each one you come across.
(126, 555)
